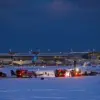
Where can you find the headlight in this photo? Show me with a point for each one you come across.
(77, 70)
(67, 74)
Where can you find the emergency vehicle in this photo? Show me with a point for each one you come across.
(20, 73)
(67, 73)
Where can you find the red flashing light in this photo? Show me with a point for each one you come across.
(20, 74)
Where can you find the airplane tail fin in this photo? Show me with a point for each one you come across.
(86, 64)
(35, 58)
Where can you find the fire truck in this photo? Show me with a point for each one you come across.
(68, 73)
(76, 72)
(62, 73)
(20, 73)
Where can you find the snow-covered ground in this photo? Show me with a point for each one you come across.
(79, 88)
(83, 88)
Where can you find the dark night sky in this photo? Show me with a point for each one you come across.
(49, 24)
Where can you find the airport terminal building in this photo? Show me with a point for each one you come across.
(42, 58)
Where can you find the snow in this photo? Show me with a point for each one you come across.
(83, 88)
(46, 73)
(79, 88)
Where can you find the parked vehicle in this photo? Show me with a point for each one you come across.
(20, 73)
(3, 74)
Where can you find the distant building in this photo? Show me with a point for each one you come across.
(41, 58)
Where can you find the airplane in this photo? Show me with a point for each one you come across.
(26, 62)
